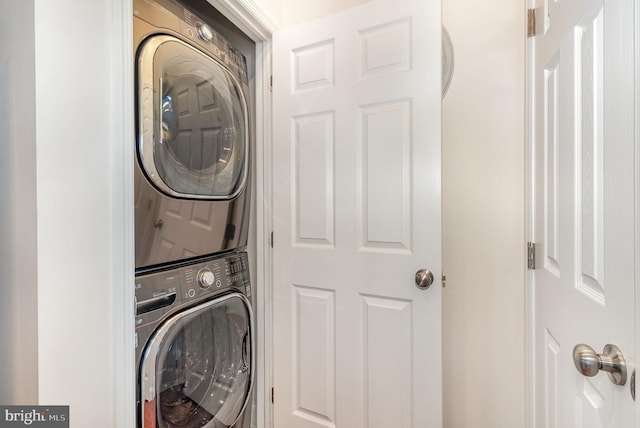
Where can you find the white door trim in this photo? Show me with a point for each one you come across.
(263, 197)
(248, 17)
(529, 393)
(637, 184)
(122, 119)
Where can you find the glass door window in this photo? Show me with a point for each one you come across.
(193, 139)
(197, 371)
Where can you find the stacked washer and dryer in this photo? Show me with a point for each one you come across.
(195, 348)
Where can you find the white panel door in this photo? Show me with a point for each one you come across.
(583, 207)
(356, 212)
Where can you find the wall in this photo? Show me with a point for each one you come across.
(66, 273)
(291, 12)
(84, 132)
(18, 262)
(272, 8)
(483, 216)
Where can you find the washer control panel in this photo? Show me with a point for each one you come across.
(158, 292)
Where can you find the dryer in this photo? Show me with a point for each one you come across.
(192, 138)
(195, 353)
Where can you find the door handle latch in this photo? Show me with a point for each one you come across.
(611, 361)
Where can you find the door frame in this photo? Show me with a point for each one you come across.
(637, 185)
(529, 218)
(529, 342)
(263, 226)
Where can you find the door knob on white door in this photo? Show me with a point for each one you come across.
(611, 361)
(424, 279)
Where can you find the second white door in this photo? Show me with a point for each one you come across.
(585, 204)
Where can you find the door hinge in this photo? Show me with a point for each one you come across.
(531, 255)
(271, 240)
(271, 83)
(531, 22)
(273, 395)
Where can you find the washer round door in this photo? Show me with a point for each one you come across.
(193, 137)
(197, 368)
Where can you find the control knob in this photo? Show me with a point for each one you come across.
(205, 33)
(206, 278)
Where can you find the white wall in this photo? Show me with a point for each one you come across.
(483, 216)
(83, 130)
(272, 8)
(18, 263)
(64, 192)
(291, 12)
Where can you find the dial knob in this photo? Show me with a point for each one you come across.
(205, 33)
(206, 278)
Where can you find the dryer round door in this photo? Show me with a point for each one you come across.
(196, 370)
(193, 137)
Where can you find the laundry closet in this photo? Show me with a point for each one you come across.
(73, 232)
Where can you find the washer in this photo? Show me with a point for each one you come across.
(195, 353)
(193, 138)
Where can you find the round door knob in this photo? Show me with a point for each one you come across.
(424, 279)
(589, 363)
